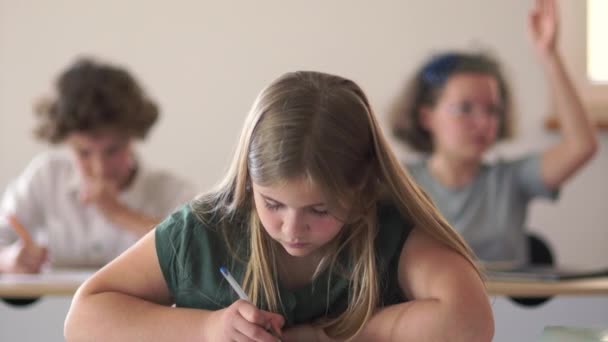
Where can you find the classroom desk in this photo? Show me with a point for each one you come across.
(587, 297)
(66, 282)
(53, 283)
(544, 288)
(577, 303)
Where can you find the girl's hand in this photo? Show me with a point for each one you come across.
(305, 333)
(242, 321)
(23, 258)
(543, 26)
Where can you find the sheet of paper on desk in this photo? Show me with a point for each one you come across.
(63, 276)
(574, 334)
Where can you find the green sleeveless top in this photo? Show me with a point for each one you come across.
(191, 254)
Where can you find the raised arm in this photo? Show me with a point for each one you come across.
(578, 141)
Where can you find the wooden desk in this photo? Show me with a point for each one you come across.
(579, 287)
(54, 283)
(65, 283)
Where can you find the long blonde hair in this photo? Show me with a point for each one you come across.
(319, 126)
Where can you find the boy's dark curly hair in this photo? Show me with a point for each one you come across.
(92, 96)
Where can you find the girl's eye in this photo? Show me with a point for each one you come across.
(272, 206)
(465, 108)
(319, 212)
(461, 108)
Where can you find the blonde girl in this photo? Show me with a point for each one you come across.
(317, 219)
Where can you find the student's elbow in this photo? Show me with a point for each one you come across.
(591, 149)
(483, 328)
(585, 149)
(71, 324)
(479, 329)
(474, 321)
(487, 332)
(70, 331)
(74, 326)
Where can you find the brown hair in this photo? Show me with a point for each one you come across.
(92, 96)
(426, 87)
(321, 127)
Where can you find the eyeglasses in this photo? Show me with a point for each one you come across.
(469, 110)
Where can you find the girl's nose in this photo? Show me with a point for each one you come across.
(293, 223)
(484, 118)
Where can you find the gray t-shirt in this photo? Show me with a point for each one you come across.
(490, 211)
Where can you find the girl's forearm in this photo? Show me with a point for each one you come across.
(419, 320)
(577, 128)
(423, 320)
(111, 316)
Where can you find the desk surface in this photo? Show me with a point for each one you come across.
(55, 283)
(65, 283)
(540, 288)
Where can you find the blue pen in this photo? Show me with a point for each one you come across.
(239, 290)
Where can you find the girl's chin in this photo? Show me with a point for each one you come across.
(298, 250)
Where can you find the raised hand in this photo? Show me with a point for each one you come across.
(543, 26)
(242, 321)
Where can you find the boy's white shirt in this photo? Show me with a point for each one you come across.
(45, 199)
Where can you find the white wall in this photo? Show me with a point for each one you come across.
(205, 61)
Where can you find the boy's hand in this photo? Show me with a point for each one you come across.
(23, 258)
(101, 193)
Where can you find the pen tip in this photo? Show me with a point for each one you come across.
(223, 270)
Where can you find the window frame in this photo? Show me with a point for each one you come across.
(573, 46)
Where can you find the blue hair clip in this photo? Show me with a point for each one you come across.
(438, 69)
